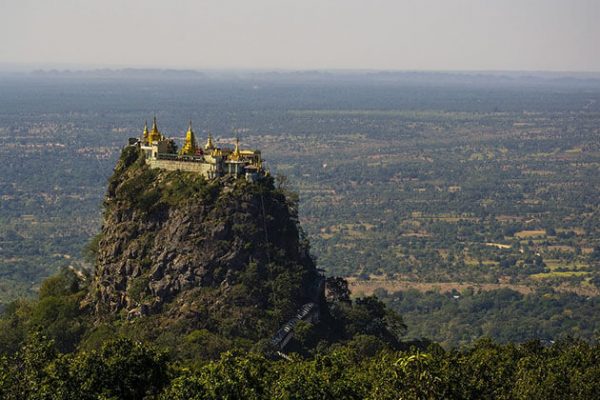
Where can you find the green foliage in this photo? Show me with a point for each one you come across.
(304, 333)
(364, 346)
(138, 288)
(149, 189)
(486, 371)
(202, 341)
(25, 375)
(96, 335)
(325, 377)
(62, 284)
(6, 378)
(232, 377)
(129, 156)
(57, 315)
(337, 289)
(90, 250)
(120, 369)
(58, 318)
(185, 186)
(367, 316)
(456, 319)
(363, 369)
(140, 191)
(13, 326)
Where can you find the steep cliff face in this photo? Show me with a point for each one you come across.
(176, 244)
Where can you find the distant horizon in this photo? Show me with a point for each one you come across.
(65, 67)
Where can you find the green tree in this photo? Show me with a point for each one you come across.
(121, 369)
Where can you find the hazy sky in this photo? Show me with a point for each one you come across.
(557, 35)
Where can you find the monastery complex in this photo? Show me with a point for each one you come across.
(210, 160)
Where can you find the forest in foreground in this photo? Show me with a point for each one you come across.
(38, 361)
(361, 369)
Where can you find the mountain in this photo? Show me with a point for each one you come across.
(197, 267)
(225, 255)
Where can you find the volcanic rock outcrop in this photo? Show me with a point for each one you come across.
(176, 244)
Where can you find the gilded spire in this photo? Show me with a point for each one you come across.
(209, 143)
(145, 133)
(236, 152)
(154, 135)
(154, 127)
(190, 146)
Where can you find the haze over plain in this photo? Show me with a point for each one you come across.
(540, 35)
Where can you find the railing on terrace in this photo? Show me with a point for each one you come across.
(177, 157)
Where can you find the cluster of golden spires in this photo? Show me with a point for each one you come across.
(190, 146)
(154, 135)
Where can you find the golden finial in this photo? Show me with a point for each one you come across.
(236, 152)
(209, 143)
(154, 127)
(190, 146)
(145, 132)
(155, 135)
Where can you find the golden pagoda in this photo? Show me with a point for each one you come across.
(209, 143)
(155, 135)
(236, 155)
(145, 133)
(190, 146)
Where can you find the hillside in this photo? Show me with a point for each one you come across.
(222, 262)
(197, 267)
(174, 242)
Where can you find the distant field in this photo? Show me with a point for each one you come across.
(559, 274)
(530, 233)
(368, 287)
(419, 182)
